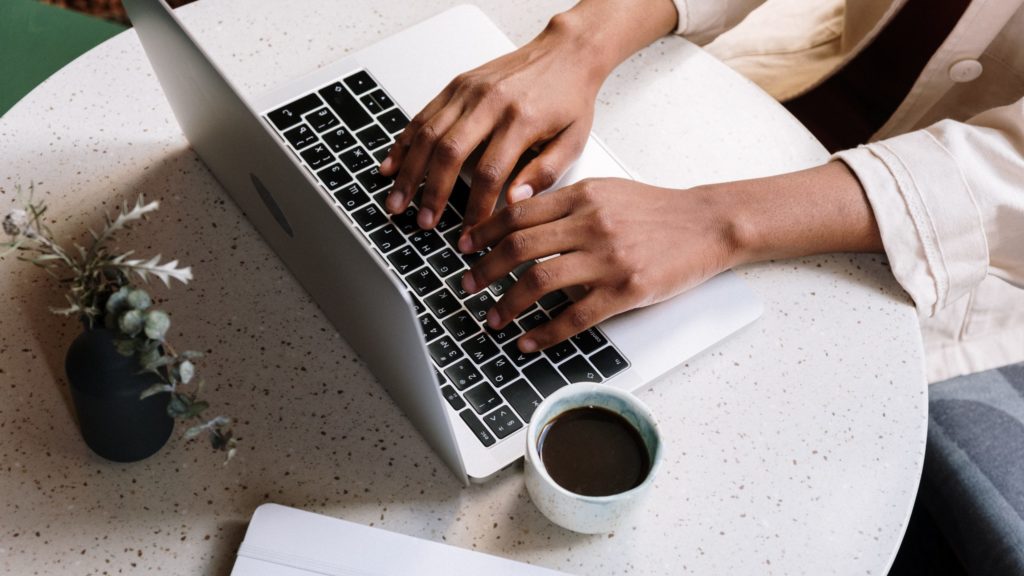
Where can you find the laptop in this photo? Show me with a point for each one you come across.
(301, 162)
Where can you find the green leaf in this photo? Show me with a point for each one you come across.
(139, 299)
(155, 389)
(196, 409)
(130, 322)
(194, 431)
(178, 406)
(186, 370)
(191, 354)
(157, 324)
(148, 358)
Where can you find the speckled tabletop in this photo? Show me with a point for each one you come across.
(796, 445)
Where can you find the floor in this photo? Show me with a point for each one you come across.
(924, 551)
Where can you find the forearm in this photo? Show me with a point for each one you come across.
(607, 32)
(815, 211)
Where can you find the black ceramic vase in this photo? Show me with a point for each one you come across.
(105, 387)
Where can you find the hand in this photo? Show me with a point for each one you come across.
(631, 245)
(628, 243)
(541, 95)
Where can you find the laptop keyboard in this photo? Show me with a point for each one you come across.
(341, 133)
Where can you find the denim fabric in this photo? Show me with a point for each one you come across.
(973, 481)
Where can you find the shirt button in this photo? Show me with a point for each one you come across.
(965, 71)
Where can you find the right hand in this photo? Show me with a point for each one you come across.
(540, 96)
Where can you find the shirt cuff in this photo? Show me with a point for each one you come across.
(699, 21)
(930, 224)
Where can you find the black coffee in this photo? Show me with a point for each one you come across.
(593, 452)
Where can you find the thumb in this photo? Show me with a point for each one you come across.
(554, 160)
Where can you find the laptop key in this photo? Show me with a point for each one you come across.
(519, 358)
(339, 139)
(522, 398)
(446, 262)
(346, 105)
(442, 303)
(479, 348)
(406, 221)
(381, 154)
(501, 285)
(482, 398)
(533, 319)
(382, 99)
(322, 119)
(544, 377)
(560, 352)
(479, 304)
(479, 430)
(393, 120)
(371, 104)
(431, 329)
(609, 362)
(455, 283)
(417, 306)
(449, 220)
(373, 181)
(373, 137)
(334, 176)
(461, 325)
(291, 114)
(360, 82)
(502, 422)
(405, 260)
(500, 371)
(453, 398)
(438, 376)
(423, 281)
(387, 238)
(463, 374)
(351, 197)
(552, 300)
(589, 340)
(300, 136)
(356, 159)
(459, 197)
(427, 241)
(317, 157)
(505, 334)
(577, 369)
(369, 218)
(444, 351)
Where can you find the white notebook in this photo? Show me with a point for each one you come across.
(283, 541)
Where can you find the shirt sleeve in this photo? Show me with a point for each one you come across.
(949, 202)
(701, 21)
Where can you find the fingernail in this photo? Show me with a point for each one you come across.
(520, 193)
(385, 166)
(527, 345)
(394, 202)
(493, 318)
(468, 282)
(425, 218)
(465, 244)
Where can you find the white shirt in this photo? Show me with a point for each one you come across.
(945, 174)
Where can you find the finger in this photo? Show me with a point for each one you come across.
(542, 278)
(554, 160)
(414, 164)
(447, 159)
(494, 169)
(594, 308)
(521, 246)
(390, 166)
(536, 211)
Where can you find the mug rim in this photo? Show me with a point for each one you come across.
(533, 456)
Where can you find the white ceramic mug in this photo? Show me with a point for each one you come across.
(589, 514)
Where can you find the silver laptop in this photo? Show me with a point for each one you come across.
(301, 162)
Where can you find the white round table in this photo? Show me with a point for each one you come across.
(795, 446)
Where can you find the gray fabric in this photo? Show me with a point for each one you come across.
(973, 481)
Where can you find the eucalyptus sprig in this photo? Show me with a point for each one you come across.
(100, 290)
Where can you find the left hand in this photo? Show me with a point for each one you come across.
(629, 244)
